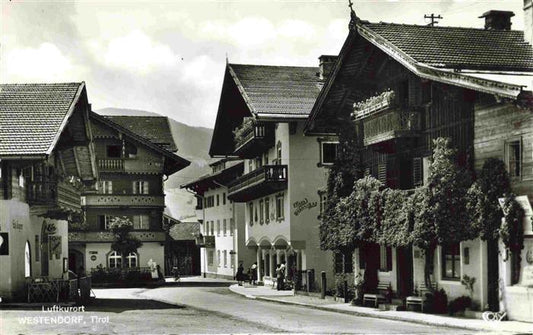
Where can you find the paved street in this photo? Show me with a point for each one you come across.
(202, 310)
(286, 318)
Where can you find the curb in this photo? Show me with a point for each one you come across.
(373, 315)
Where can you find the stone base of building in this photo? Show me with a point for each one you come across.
(216, 276)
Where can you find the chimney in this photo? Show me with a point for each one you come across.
(528, 21)
(325, 66)
(498, 19)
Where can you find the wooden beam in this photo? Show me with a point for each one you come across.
(61, 162)
(77, 161)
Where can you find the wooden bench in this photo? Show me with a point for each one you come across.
(378, 297)
(418, 300)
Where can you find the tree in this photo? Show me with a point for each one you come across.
(440, 216)
(482, 203)
(124, 243)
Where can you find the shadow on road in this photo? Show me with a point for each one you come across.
(122, 305)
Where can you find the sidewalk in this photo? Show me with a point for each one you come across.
(287, 297)
(198, 281)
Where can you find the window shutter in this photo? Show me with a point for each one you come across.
(145, 187)
(382, 173)
(389, 259)
(134, 187)
(417, 171)
(110, 188)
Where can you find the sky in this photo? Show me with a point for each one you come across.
(169, 57)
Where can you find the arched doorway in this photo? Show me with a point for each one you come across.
(27, 260)
(76, 261)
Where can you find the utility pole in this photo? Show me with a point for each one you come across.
(433, 19)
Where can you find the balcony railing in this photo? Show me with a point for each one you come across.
(265, 180)
(52, 198)
(137, 200)
(384, 117)
(105, 165)
(253, 138)
(129, 165)
(390, 125)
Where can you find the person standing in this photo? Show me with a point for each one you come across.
(279, 277)
(253, 274)
(240, 274)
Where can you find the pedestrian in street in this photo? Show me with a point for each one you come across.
(240, 274)
(253, 274)
(280, 276)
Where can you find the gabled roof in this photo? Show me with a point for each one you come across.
(496, 62)
(33, 116)
(154, 128)
(458, 48)
(277, 91)
(173, 162)
(184, 231)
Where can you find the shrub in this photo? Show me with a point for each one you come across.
(459, 304)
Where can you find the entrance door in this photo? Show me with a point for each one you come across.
(404, 260)
(493, 285)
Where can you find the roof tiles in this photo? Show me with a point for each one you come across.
(31, 115)
(290, 90)
(154, 128)
(459, 48)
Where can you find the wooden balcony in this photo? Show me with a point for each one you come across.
(119, 200)
(391, 124)
(129, 165)
(265, 180)
(107, 236)
(254, 139)
(53, 199)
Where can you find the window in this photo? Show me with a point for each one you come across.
(224, 255)
(224, 227)
(278, 154)
(131, 260)
(114, 151)
(224, 198)
(218, 200)
(250, 165)
(258, 162)
(210, 201)
(218, 227)
(513, 153)
(115, 260)
(343, 263)
(105, 187)
(231, 227)
(104, 222)
(328, 152)
(218, 258)
(22, 179)
(27, 260)
(140, 187)
(141, 222)
(450, 262)
(323, 200)
(385, 258)
(279, 207)
(267, 210)
(251, 213)
(232, 260)
(212, 228)
(261, 212)
(210, 256)
(131, 150)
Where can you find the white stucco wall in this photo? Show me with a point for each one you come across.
(15, 219)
